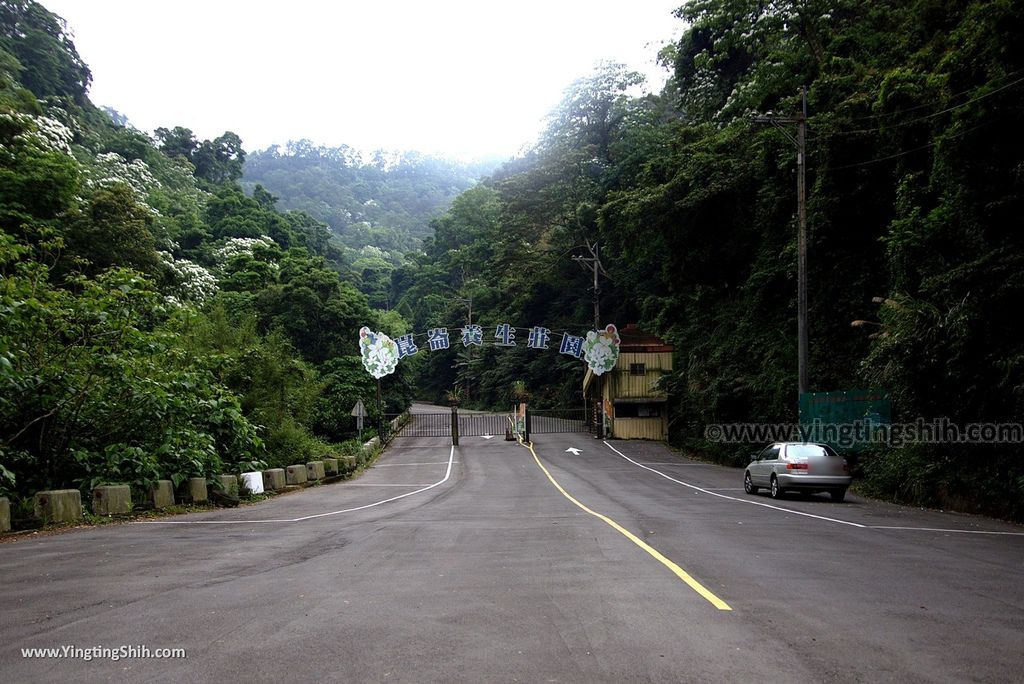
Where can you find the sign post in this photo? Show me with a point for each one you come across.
(359, 411)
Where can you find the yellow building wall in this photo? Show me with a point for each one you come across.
(622, 385)
(625, 386)
(640, 428)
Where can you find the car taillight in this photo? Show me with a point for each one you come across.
(797, 466)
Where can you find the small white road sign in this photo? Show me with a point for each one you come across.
(359, 411)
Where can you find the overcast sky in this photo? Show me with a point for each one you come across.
(466, 78)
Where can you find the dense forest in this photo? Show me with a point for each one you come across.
(162, 315)
(156, 322)
(378, 205)
(915, 181)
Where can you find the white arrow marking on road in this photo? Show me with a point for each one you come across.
(488, 436)
(573, 450)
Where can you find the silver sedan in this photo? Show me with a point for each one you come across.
(798, 466)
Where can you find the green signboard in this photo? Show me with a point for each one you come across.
(845, 419)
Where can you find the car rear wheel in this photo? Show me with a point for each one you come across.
(838, 495)
(776, 490)
(748, 484)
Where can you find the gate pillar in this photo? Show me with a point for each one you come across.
(455, 426)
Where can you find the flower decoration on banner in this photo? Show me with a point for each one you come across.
(601, 349)
(380, 353)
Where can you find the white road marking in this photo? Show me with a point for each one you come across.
(395, 465)
(733, 498)
(939, 529)
(447, 474)
(573, 450)
(370, 484)
(712, 492)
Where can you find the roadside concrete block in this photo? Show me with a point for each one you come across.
(315, 471)
(252, 482)
(197, 489)
(295, 474)
(5, 515)
(58, 505)
(331, 467)
(162, 494)
(273, 480)
(229, 483)
(350, 462)
(112, 500)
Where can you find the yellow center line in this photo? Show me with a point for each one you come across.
(676, 570)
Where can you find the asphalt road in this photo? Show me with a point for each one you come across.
(492, 563)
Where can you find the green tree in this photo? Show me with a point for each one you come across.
(113, 229)
(41, 44)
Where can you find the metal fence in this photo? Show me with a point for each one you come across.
(424, 425)
(558, 420)
(484, 424)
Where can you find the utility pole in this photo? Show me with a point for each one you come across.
(801, 238)
(468, 301)
(595, 264)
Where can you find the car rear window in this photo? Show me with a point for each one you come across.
(808, 451)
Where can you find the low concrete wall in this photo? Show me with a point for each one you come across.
(315, 470)
(5, 515)
(197, 489)
(58, 505)
(162, 494)
(112, 500)
(295, 474)
(273, 479)
(229, 483)
(331, 466)
(350, 462)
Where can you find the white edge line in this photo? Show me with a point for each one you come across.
(370, 484)
(674, 463)
(811, 515)
(940, 529)
(733, 498)
(447, 474)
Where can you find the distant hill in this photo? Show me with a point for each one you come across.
(385, 201)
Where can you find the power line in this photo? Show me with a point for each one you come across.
(931, 104)
(902, 124)
(911, 151)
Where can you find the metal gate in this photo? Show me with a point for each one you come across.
(471, 424)
(551, 421)
(421, 424)
(482, 424)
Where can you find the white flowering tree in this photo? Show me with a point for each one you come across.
(192, 283)
(237, 246)
(38, 173)
(111, 167)
(43, 133)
